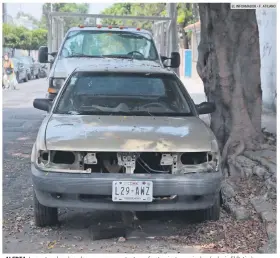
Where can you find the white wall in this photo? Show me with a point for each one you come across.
(267, 33)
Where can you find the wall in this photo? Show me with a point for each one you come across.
(195, 43)
(267, 32)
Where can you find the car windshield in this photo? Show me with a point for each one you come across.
(89, 93)
(119, 44)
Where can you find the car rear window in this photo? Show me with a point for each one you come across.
(120, 86)
(115, 93)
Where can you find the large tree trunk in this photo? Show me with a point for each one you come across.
(229, 65)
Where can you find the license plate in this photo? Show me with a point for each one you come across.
(132, 191)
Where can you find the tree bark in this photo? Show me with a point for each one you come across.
(184, 41)
(229, 65)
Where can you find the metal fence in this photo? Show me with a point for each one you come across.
(56, 33)
(160, 33)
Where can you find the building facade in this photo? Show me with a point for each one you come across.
(267, 35)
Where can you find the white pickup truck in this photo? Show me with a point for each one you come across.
(84, 45)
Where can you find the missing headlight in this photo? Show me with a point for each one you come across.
(43, 157)
(63, 157)
(193, 158)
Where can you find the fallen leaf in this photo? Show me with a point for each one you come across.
(51, 244)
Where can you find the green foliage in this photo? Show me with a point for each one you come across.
(39, 38)
(22, 38)
(134, 9)
(184, 13)
(69, 8)
(10, 37)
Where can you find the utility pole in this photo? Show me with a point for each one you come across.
(173, 34)
(4, 15)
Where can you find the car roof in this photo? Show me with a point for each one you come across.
(125, 66)
(105, 28)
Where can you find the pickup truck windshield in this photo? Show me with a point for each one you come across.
(122, 93)
(119, 44)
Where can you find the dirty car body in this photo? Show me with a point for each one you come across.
(125, 138)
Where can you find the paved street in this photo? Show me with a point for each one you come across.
(170, 233)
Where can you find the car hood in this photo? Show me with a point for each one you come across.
(64, 67)
(120, 133)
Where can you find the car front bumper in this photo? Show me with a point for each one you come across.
(190, 191)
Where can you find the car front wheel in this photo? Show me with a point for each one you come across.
(26, 78)
(17, 77)
(44, 216)
(210, 214)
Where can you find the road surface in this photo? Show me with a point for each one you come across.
(20, 125)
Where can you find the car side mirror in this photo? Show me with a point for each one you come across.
(43, 54)
(163, 58)
(42, 104)
(175, 60)
(206, 108)
(53, 54)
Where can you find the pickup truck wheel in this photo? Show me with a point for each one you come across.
(44, 216)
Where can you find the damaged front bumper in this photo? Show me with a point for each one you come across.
(190, 191)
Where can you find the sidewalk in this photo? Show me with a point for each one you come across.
(196, 90)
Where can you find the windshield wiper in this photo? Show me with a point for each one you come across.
(82, 55)
(118, 56)
(73, 113)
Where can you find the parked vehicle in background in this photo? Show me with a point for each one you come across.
(20, 70)
(33, 66)
(94, 45)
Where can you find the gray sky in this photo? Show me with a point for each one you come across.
(36, 9)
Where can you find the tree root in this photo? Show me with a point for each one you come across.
(268, 165)
(266, 146)
(224, 155)
(230, 160)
